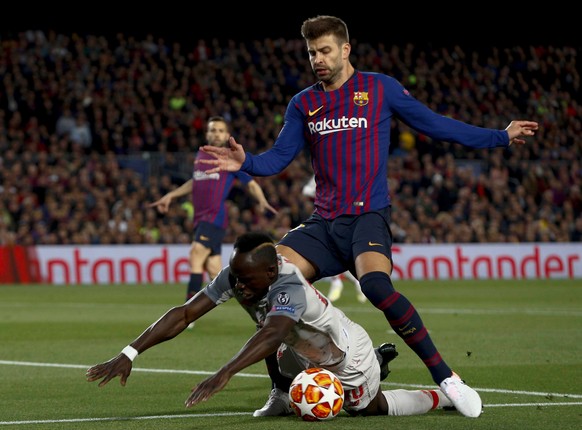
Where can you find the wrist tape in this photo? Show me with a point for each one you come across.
(130, 352)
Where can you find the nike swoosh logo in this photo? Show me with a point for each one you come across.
(204, 237)
(313, 112)
(374, 244)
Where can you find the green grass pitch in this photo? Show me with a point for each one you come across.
(519, 343)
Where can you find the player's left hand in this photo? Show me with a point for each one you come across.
(206, 389)
(162, 204)
(518, 129)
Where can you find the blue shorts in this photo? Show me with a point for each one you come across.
(332, 246)
(210, 236)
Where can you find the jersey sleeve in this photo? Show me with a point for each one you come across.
(287, 299)
(220, 289)
(290, 142)
(439, 127)
(243, 177)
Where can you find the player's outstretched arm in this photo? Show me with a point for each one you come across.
(263, 343)
(168, 326)
(225, 159)
(163, 204)
(257, 192)
(519, 129)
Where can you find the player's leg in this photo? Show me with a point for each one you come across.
(205, 255)
(207, 242)
(336, 287)
(359, 295)
(296, 258)
(414, 402)
(213, 265)
(361, 375)
(372, 244)
(278, 401)
(392, 402)
(198, 255)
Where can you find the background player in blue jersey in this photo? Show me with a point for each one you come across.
(209, 194)
(344, 120)
(294, 319)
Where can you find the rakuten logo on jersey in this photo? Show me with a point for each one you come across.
(327, 126)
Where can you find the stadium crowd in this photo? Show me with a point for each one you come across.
(93, 128)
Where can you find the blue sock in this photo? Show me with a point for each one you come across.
(405, 321)
(194, 285)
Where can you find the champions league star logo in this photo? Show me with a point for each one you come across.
(283, 298)
(360, 98)
(282, 304)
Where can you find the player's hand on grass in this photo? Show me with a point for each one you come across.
(206, 389)
(226, 159)
(118, 366)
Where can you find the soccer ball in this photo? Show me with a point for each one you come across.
(316, 394)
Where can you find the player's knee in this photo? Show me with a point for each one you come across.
(199, 250)
(376, 286)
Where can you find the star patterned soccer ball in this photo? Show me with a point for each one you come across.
(316, 394)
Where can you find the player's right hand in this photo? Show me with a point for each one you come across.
(118, 366)
(226, 159)
(163, 204)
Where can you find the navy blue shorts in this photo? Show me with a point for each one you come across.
(210, 236)
(332, 246)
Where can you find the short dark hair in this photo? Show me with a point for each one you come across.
(252, 242)
(217, 118)
(322, 25)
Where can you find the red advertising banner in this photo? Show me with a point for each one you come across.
(18, 265)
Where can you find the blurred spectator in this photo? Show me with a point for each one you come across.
(80, 134)
(65, 123)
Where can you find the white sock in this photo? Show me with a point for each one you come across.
(414, 402)
(356, 283)
(349, 275)
(336, 282)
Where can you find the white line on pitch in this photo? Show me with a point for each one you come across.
(229, 414)
(258, 375)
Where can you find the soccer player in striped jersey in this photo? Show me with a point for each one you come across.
(344, 120)
(209, 194)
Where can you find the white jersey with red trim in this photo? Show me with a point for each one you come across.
(321, 334)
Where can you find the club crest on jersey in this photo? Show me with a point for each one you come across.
(360, 98)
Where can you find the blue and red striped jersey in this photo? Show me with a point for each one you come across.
(347, 132)
(210, 192)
